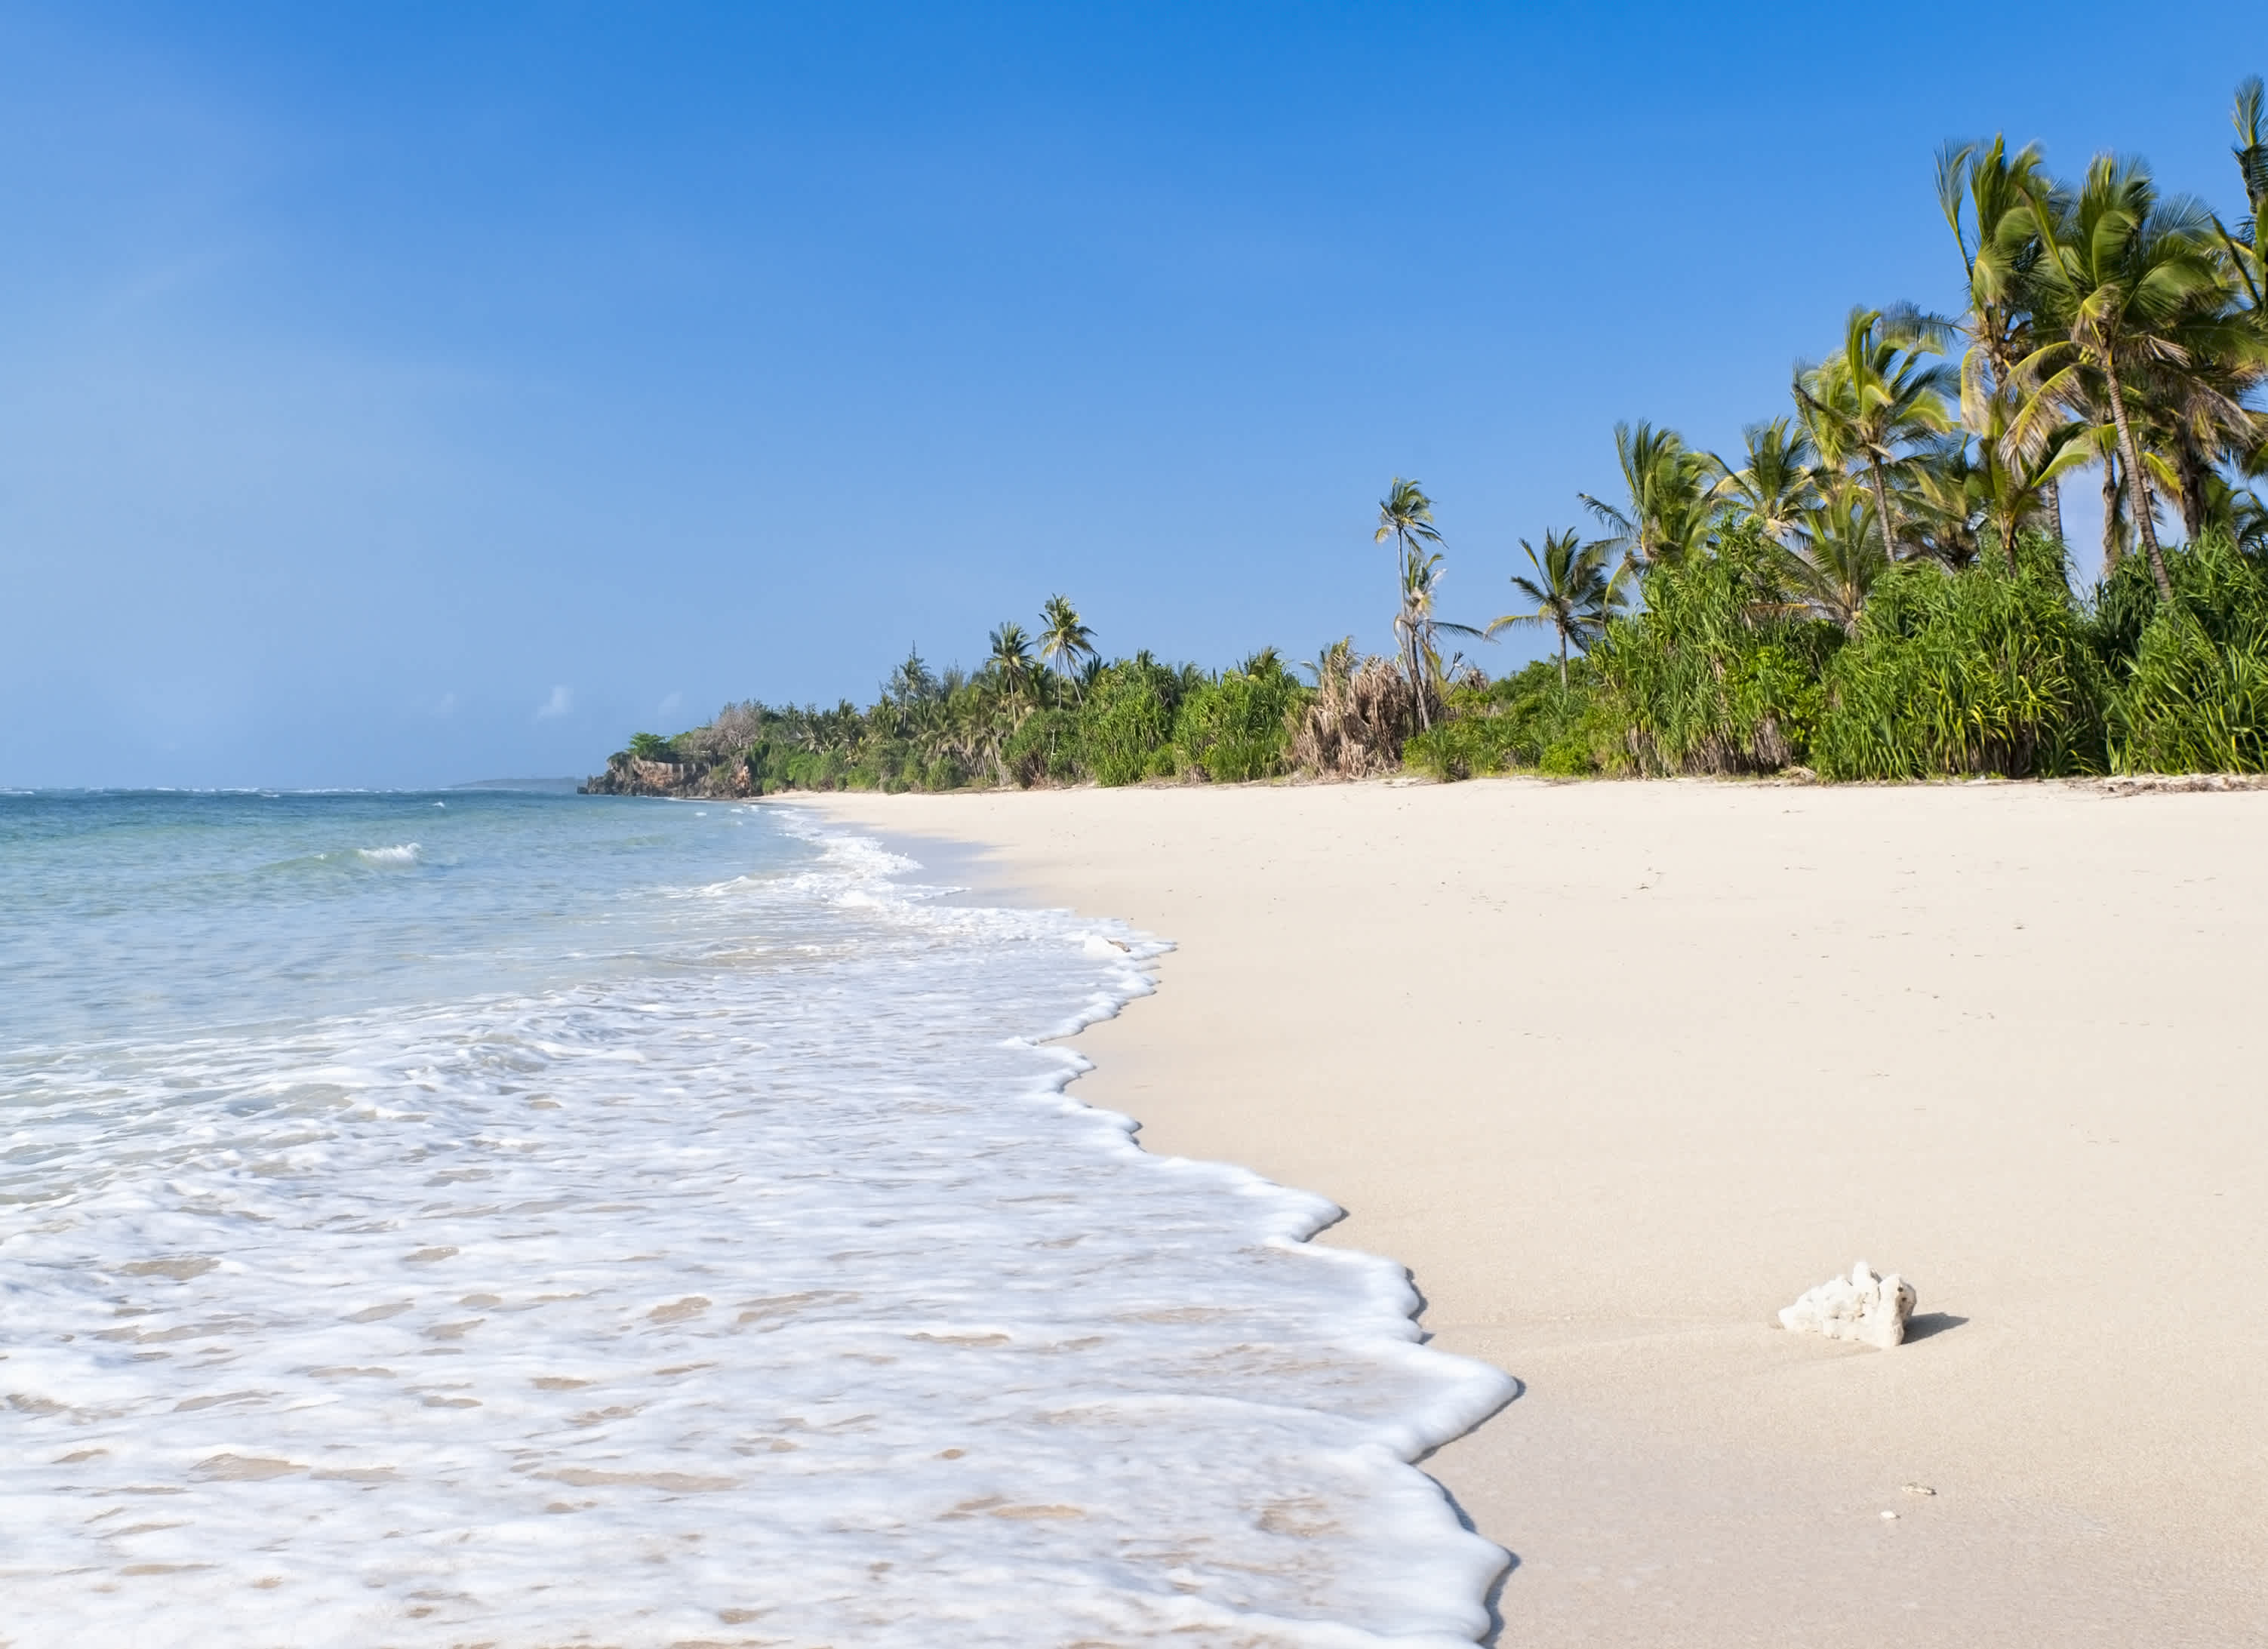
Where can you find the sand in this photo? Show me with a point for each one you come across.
(1618, 1070)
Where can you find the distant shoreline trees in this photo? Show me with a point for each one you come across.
(1876, 586)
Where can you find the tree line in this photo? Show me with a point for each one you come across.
(1878, 584)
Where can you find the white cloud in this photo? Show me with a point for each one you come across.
(561, 700)
(670, 703)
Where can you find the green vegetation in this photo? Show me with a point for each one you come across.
(1877, 587)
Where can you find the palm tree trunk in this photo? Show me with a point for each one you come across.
(2055, 509)
(2114, 541)
(2144, 527)
(1563, 661)
(1882, 506)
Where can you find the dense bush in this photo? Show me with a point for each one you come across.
(1961, 673)
(1714, 676)
(2191, 692)
(1234, 727)
(1126, 721)
(1526, 722)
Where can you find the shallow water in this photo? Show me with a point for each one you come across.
(432, 1220)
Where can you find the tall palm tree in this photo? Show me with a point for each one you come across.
(1670, 506)
(2251, 153)
(1011, 663)
(1405, 518)
(2135, 284)
(1570, 590)
(1418, 630)
(1779, 480)
(1064, 640)
(1987, 196)
(1871, 405)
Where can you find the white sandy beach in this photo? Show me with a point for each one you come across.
(1618, 1070)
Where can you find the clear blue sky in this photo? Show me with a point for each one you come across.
(413, 394)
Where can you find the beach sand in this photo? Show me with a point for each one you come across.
(1618, 1070)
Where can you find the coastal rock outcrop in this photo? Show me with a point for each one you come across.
(1861, 1306)
(626, 775)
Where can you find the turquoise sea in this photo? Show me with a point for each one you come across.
(537, 1219)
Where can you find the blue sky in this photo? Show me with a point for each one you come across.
(410, 394)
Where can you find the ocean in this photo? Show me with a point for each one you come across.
(519, 1219)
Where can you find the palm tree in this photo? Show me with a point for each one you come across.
(1570, 590)
(1064, 640)
(1988, 198)
(1838, 557)
(2251, 153)
(1778, 482)
(2019, 490)
(1012, 662)
(1406, 515)
(1871, 406)
(1418, 632)
(1405, 518)
(1670, 509)
(2135, 284)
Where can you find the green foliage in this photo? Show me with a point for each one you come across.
(1127, 720)
(1714, 676)
(1524, 722)
(1043, 749)
(1234, 728)
(2192, 694)
(651, 746)
(1961, 673)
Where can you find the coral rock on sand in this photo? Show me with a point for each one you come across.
(1860, 1307)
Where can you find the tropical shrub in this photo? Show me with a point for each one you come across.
(1126, 721)
(2192, 695)
(1043, 749)
(1512, 726)
(1234, 728)
(1714, 676)
(1961, 673)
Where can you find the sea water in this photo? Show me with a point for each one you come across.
(520, 1219)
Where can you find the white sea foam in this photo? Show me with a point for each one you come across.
(784, 1300)
(405, 853)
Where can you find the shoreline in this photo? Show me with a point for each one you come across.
(1619, 1070)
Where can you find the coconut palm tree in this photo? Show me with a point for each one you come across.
(1570, 590)
(1064, 640)
(2022, 489)
(1988, 196)
(1405, 518)
(2134, 282)
(1011, 663)
(1872, 404)
(1671, 510)
(1838, 557)
(1778, 481)
(1418, 630)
